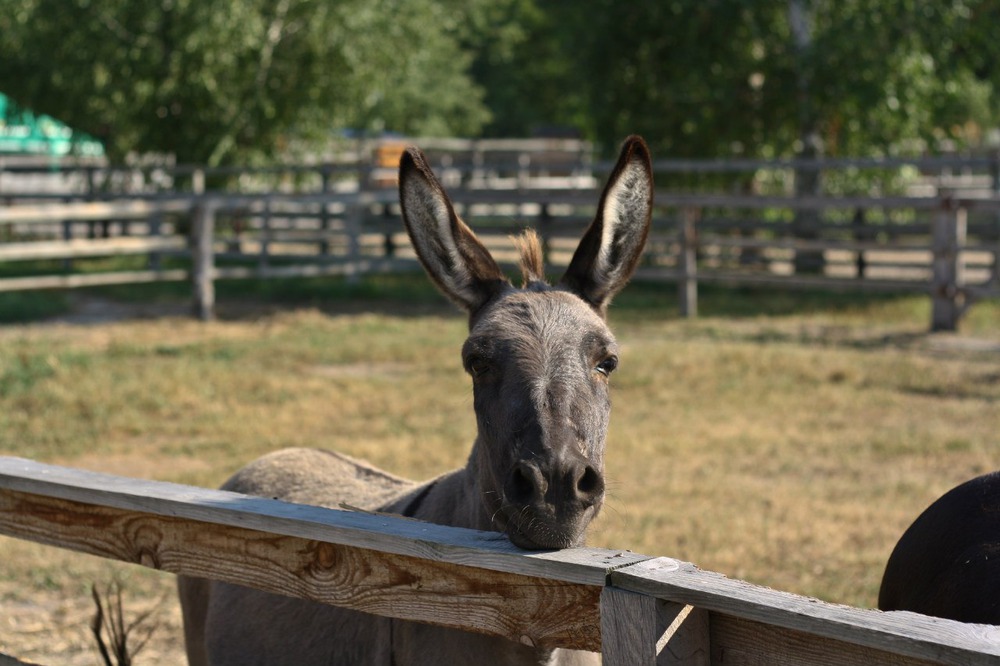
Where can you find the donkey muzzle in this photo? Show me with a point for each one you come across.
(550, 502)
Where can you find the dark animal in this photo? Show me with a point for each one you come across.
(540, 358)
(947, 564)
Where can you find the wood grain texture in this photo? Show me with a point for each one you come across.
(740, 642)
(628, 628)
(651, 610)
(890, 635)
(685, 636)
(389, 534)
(546, 612)
(637, 630)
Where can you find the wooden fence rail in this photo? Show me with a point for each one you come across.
(636, 610)
(946, 247)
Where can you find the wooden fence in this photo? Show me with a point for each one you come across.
(354, 166)
(632, 608)
(947, 247)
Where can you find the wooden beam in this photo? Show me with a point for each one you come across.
(948, 301)
(640, 630)
(740, 611)
(628, 628)
(385, 533)
(81, 247)
(91, 279)
(203, 262)
(687, 238)
(102, 210)
(532, 610)
(684, 638)
(639, 609)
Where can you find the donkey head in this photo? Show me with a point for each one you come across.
(540, 356)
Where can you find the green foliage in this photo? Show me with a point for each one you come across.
(725, 78)
(238, 80)
(215, 82)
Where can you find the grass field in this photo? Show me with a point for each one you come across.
(787, 438)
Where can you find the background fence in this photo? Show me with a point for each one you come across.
(634, 609)
(923, 225)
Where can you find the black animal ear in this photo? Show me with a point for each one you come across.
(455, 259)
(610, 248)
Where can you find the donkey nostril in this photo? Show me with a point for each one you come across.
(520, 487)
(590, 484)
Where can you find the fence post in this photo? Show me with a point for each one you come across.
(688, 285)
(155, 231)
(354, 220)
(861, 235)
(948, 237)
(995, 191)
(203, 261)
(640, 630)
(324, 215)
(263, 257)
(198, 181)
(545, 231)
(628, 628)
(67, 235)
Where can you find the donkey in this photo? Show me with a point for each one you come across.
(947, 563)
(540, 358)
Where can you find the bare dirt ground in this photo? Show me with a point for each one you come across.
(54, 628)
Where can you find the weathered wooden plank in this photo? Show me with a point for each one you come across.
(688, 263)
(948, 301)
(533, 610)
(91, 279)
(739, 641)
(326, 267)
(685, 638)
(80, 247)
(628, 628)
(466, 579)
(796, 281)
(97, 210)
(904, 634)
(203, 262)
(637, 629)
(385, 533)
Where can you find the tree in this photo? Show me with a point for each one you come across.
(706, 78)
(216, 82)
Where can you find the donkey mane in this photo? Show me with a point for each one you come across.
(529, 247)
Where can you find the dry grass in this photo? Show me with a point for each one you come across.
(787, 449)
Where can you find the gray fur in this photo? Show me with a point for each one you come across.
(539, 359)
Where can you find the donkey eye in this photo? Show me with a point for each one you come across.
(607, 366)
(478, 366)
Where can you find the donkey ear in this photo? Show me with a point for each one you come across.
(610, 248)
(452, 255)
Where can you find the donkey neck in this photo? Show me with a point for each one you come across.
(453, 499)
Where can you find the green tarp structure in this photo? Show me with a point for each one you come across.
(24, 133)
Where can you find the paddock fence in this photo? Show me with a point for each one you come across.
(946, 246)
(635, 610)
